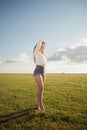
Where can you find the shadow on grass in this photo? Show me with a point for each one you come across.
(15, 115)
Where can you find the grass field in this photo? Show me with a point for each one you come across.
(65, 101)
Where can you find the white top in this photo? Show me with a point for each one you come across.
(40, 59)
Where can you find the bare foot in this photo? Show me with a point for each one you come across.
(42, 108)
(38, 108)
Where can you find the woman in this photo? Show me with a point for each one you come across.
(39, 72)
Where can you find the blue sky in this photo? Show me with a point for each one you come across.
(60, 23)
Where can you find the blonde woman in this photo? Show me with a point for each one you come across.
(39, 72)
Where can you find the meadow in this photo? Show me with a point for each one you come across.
(65, 101)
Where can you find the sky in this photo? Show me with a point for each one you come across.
(62, 24)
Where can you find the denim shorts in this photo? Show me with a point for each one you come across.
(39, 70)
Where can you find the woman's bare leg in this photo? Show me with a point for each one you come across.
(43, 78)
(40, 84)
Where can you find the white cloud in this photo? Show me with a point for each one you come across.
(22, 58)
(21, 64)
(65, 59)
(76, 53)
(74, 46)
(61, 49)
(84, 40)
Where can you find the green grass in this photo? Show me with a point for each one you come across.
(65, 101)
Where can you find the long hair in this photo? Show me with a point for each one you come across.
(33, 53)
